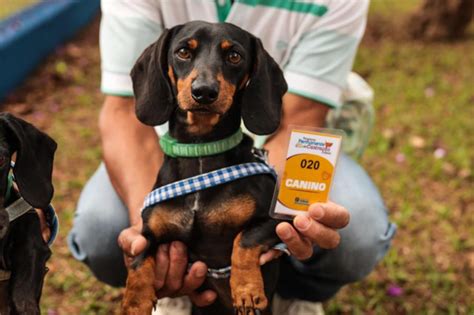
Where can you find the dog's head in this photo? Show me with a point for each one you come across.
(202, 69)
(33, 166)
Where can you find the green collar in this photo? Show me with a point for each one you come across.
(173, 148)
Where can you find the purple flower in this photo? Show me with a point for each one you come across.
(394, 290)
(52, 312)
(429, 92)
(439, 153)
(400, 158)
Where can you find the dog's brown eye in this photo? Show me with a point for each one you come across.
(3, 160)
(184, 54)
(234, 57)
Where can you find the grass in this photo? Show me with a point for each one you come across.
(9, 7)
(424, 104)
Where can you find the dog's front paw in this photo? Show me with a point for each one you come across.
(139, 297)
(144, 308)
(249, 298)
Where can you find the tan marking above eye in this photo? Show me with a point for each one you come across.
(193, 43)
(225, 44)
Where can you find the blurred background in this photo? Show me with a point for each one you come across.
(418, 56)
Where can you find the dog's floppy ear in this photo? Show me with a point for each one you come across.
(151, 84)
(262, 98)
(34, 160)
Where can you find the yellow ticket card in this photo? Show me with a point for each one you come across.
(309, 169)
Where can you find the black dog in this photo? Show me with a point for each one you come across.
(203, 78)
(23, 251)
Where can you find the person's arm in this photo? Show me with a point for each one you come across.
(132, 159)
(130, 152)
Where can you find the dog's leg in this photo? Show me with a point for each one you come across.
(139, 297)
(159, 224)
(246, 282)
(28, 261)
(4, 303)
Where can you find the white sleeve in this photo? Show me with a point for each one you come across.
(127, 28)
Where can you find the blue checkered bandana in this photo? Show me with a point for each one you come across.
(206, 180)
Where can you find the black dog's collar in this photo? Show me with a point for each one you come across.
(20, 207)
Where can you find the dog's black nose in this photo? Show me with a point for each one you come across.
(204, 93)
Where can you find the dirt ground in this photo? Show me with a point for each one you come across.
(420, 156)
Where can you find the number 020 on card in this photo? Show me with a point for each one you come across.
(309, 170)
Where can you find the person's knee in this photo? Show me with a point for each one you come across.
(93, 241)
(367, 238)
(363, 245)
(100, 217)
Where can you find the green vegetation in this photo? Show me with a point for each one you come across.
(422, 159)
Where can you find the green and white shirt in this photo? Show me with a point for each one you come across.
(314, 41)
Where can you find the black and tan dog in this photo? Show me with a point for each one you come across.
(204, 78)
(23, 251)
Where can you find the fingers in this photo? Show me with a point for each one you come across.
(316, 232)
(178, 262)
(45, 231)
(171, 278)
(301, 248)
(194, 278)
(269, 256)
(330, 214)
(161, 266)
(204, 298)
(131, 241)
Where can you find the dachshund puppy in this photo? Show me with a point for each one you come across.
(23, 252)
(203, 79)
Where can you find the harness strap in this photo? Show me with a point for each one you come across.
(224, 273)
(206, 180)
(18, 208)
(21, 206)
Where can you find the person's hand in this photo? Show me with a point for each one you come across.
(318, 227)
(132, 242)
(45, 231)
(171, 278)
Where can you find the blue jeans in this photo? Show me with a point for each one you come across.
(101, 215)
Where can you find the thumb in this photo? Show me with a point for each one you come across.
(138, 245)
(131, 242)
